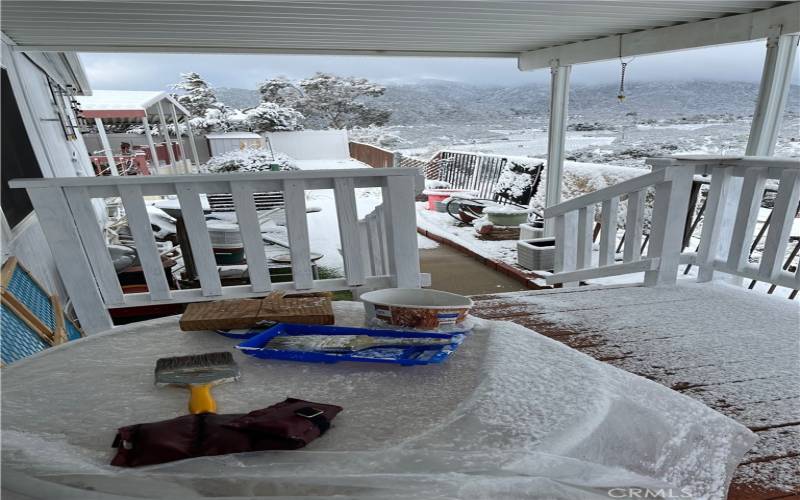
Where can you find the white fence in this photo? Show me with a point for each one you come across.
(735, 195)
(64, 209)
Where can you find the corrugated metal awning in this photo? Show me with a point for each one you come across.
(486, 28)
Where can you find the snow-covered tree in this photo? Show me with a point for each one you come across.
(199, 96)
(331, 101)
(271, 117)
(279, 91)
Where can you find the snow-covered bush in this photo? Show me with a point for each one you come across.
(376, 136)
(579, 179)
(249, 160)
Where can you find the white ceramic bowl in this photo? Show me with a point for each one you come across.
(416, 307)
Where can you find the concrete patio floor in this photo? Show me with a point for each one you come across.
(453, 271)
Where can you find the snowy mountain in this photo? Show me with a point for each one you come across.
(443, 102)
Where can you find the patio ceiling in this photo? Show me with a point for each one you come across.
(434, 28)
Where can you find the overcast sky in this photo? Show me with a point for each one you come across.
(739, 62)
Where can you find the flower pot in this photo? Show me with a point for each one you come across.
(529, 231)
(506, 215)
(439, 195)
(537, 254)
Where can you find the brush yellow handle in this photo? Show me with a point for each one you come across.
(201, 400)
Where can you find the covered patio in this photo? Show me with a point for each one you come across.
(730, 350)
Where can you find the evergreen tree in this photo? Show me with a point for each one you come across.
(199, 96)
(331, 101)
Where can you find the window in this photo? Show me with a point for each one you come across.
(18, 158)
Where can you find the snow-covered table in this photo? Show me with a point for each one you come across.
(512, 414)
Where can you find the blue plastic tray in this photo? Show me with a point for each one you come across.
(403, 356)
(245, 333)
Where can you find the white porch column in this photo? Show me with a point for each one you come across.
(178, 136)
(775, 82)
(556, 132)
(153, 152)
(101, 131)
(162, 126)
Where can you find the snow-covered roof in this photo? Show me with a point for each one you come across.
(233, 135)
(126, 104)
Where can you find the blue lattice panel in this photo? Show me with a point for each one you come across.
(17, 339)
(36, 299)
(72, 331)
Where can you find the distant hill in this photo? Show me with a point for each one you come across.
(436, 101)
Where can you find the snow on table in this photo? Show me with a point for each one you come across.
(511, 414)
(726, 346)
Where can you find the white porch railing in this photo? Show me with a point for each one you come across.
(378, 252)
(735, 195)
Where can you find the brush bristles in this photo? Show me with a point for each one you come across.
(195, 360)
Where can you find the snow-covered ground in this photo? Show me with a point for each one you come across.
(625, 142)
(530, 142)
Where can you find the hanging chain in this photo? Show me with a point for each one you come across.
(621, 93)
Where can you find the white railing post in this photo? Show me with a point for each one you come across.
(608, 231)
(146, 250)
(55, 218)
(585, 229)
(402, 231)
(780, 226)
(349, 234)
(249, 228)
(294, 193)
(634, 222)
(669, 220)
(566, 228)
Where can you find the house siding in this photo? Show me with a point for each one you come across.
(57, 157)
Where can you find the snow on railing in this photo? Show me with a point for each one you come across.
(574, 223)
(734, 197)
(65, 212)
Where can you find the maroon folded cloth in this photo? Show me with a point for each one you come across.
(287, 425)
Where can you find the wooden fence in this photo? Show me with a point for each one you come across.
(373, 155)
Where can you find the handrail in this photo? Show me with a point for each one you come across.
(624, 187)
(203, 178)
